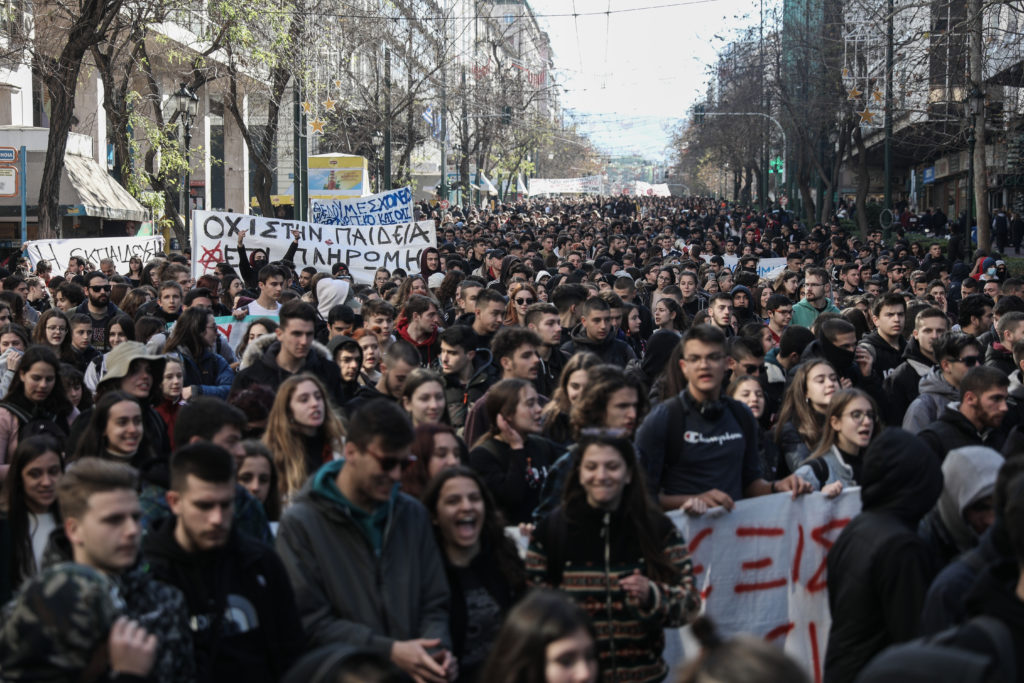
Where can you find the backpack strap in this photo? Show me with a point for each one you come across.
(820, 469)
(17, 411)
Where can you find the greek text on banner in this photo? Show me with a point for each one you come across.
(363, 249)
(384, 208)
(93, 249)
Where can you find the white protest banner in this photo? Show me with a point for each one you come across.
(234, 329)
(766, 267)
(385, 208)
(593, 184)
(93, 249)
(761, 568)
(362, 248)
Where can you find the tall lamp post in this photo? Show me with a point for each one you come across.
(378, 140)
(974, 100)
(188, 107)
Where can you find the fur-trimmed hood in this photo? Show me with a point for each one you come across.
(258, 346)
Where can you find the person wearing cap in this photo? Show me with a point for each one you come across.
(339, 269)
(434, 281)
(139, 374)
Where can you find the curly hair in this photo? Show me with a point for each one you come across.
(602, 382)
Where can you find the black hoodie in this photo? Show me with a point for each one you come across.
(886, 357)
(902, 386)
(245, 626)
(879, 568)
(610, 350)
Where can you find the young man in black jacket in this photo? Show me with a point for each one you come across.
(241, 608)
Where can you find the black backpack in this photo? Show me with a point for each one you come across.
(938, 658)
(34, 426)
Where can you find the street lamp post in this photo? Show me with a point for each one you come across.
(187, 104)
(378, 140)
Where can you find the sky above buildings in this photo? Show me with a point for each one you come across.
(630, 69)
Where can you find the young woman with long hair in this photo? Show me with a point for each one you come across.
(546, 638)
(521, 295)
(802, 416)
(134, 274)
(851, 423)
(571, 385)
(135, 299)
(616, 555)
(668, 315)
(787, 283)
(171, 385)
(78, 394)
(116, 432)
(257, 328)
(511, 456)
(302, 432)
(423, 397)
(370, 344)
(257, 474)
(436, 448)
(484, 571)
(14, 341)
(192, 338)
(53, 330)
(28, 507)
(631, 324)
(747, 390)
(36, 398)
(410, 285)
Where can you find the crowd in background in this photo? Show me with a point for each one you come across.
(329, 498)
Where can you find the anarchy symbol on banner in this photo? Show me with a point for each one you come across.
(210, 257)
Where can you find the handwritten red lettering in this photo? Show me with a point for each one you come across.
(779, 631)
(812, 633)
(799, 553)
(763, 563)
(817, 582)
(695, 543)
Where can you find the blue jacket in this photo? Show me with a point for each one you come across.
(210, 376)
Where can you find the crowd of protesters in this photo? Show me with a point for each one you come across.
(335, 497)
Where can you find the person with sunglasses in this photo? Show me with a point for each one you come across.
(955, 353)
(99, 308)
(362, 557)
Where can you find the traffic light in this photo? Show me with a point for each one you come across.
(775, 165)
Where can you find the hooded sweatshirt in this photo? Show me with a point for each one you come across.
(903, 385)
(330, 293)
(362, 578)
(935, 394)
(879, 568)
(970, 475)
(429, 347)
(886, 357)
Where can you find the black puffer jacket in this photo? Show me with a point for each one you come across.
(259, 366)
(879, 568)
(953, 430)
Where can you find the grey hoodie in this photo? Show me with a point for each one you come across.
(936, 394)
(969, 474)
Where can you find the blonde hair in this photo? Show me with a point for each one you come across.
(287, 445)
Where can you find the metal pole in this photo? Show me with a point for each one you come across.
(970, 195)
(387, 118)
(296, 152)
(24, 192)
(188, 176)
(888, 109)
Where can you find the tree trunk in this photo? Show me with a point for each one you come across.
(976, 51)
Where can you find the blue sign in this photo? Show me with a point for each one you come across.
(929, 175)
(8, 155)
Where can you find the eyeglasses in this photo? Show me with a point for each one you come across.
(752, 369)
(390, 462)
(969, 361)
(858, 415)
(524, 302)
(100, 288)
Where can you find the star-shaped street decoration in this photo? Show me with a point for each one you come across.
(337, 83)
(307, 107)
(329, 103)
(853, 93)
(877, 95)
(317, 125)
(867, 117)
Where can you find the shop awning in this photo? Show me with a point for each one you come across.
(88, 190)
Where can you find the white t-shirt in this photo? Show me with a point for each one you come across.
(40, 527)
(257, 310)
